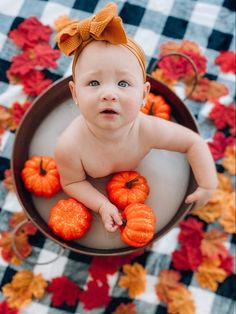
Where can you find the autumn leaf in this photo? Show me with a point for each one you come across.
(8, 181)
(229, 161)
(29, 228)
(23, 287)
(210, 274)
(216, 90)
(5, 118)
(134, 279)
(159, 75)
(222, 115)
(227, 263)
(212, 245)
(209, 213)
(181, 301)
(22, 245)
(35, 83)
(5, 309)
(200, 92)
(167, 280)
(21, 65)
(98, 288)
(129, 308)
(191, 232)
(64, 291)
(30, 32)
(228, 216)
(18, 110)
(43, 55)
(224, 182)
(218, 144)
(226, 61)
(187, 257)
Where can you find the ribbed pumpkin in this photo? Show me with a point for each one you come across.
(40, 176)
(69, 219)
(127, 187)
(138, 225)
(156, 106)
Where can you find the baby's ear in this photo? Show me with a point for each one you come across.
(72, 90)
(146, 90)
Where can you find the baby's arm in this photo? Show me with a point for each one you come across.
(174, 137)
(74, 183)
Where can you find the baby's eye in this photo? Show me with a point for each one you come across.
(123, 84)
(94, 83)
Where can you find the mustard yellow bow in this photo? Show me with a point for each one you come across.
(105, 25)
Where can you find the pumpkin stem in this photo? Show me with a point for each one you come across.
(151, 110)
(41, 170)
(129, 184)
(124, 221)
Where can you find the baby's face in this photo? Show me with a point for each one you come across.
(108, 87)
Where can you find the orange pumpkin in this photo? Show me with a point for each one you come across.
(156, 106)
(138, 225)
(127, 187)
(69, 219)
(40, 176)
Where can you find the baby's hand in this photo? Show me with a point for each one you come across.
(110, 217)
(200, 197)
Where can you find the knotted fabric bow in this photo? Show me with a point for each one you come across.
(105, 25)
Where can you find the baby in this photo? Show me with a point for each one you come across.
(109, 87)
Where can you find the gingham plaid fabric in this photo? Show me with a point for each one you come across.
(211, 24)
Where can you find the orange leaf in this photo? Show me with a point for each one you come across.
(159, 75)
(23, 287)
(134, 280)
(229, 161)
(210, 273)
(168, 280)
(209, 213)
(17, 218)
(224, 183)
(228, 216)
(181, 301)
(212, 245)
(21, 242)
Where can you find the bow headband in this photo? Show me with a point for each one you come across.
(105, 25)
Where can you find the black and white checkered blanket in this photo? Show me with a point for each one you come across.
(211, 24)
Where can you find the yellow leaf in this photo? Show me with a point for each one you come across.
(229, 161)
(228, 216)
(212, 244)
(134, 280)
(224, 182)
(181, 301)
(209, 274)
(23, 287)
(168, 280)
(209, 213)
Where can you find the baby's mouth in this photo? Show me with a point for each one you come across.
(109, 111)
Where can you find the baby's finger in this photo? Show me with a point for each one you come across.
(117, 218)
(111, 228)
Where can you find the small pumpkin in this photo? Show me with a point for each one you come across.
(69, 219)
(157, 106)
(127, 187)
(138, 225)
(40, 176)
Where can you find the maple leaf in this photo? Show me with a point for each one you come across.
(209, 274)
(5, 309)
(5, 118)
(64, 291)
(209, 212)
(222, 115)
(97, 269)
(228, 216)
(129, 308)
(187, 257)
(219, 144)
(8, 181)
(22, 245)
(229, 161)
(29, 228)
(98, 288)
(159, 75)
(216, 90)
(226, 61)
(200, 92)
(212, 244)
(181, 301)
(23, 287)
(18, 111)
(43, 55)
(35, 83)
(224, 182)
(21, 65)
(30, 32)
(227, 263)
(191, 232)
(134, 279)
(167, 280)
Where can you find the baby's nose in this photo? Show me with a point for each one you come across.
(109, 96)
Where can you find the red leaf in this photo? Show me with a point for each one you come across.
(21, 65)
(103, 265)
(30, 32)
(44, 56)
(219, 144)
(227, 263)
(187, 258)
(5, 309)
(223, 115)
(19, 110)
(226, 61)
(64, 291)
(191, 232)
(35, 83)
(96, 295)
